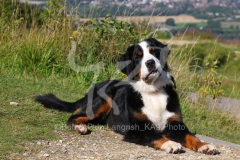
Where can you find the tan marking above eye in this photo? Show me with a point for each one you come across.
(149, 49)
(139, 53)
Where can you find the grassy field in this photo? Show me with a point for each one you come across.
(198, 24)
(230, 24)
(163, 18)
(159, 19)
(229, 72)
(36, 60)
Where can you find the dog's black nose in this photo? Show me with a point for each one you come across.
(150, 64)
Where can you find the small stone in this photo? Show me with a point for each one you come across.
(46, 155)
(13, 103)
(64, 150)
(60, 141)
(39, 143)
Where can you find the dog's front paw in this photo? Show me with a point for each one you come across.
(172, 147)
(81, 128)
(208, 149)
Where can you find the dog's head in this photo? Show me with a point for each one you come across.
(145, 61)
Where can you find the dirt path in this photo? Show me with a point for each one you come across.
(237, 55)
(105, 144)
(178, 42)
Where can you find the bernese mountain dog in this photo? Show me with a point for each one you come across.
(145, 109)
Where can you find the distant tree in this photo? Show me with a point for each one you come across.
(170, 22)
(192, 25)
(213, 24)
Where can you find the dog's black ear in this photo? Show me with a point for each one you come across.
(165, 51)
(125, 62)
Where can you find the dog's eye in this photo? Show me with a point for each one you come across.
(139, 53)
(155, 52)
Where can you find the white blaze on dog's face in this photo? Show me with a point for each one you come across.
(146, 64)
(150, 65)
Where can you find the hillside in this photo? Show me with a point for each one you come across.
(221, 17)
(203, 9)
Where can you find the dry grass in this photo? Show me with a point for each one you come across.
(153, 19)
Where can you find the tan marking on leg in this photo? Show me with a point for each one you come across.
(77, 111)
(81, 120)
(192, 142)
(158, 143)
(104, 108)
(175, 118)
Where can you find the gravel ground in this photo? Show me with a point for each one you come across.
(105, 144)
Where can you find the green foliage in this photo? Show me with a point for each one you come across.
(14, 12)
(212, 81)
(37, 60)
(162, 35)
(55, 10)
(212, 123)
(206, 52)
(213, 24)
(103, 40)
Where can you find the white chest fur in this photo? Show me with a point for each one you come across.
(155, 109)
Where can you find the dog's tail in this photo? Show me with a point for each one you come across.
(51, 101)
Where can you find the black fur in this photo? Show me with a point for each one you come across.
(52, 102)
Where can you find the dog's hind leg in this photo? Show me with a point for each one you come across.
(81, 119)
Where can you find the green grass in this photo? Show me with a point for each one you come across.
(30, 121)
(184, 25)
(231, 81)
(211, 123)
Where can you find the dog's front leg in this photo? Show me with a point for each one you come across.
(167, 145)
(195, 144)
(178, 132)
